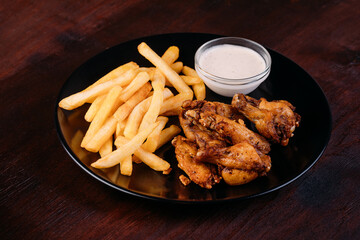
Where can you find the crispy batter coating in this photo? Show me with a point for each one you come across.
(203, 174)
(275, 120)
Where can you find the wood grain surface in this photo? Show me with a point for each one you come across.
(45, 195)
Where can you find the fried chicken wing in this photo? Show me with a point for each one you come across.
(240, 156)
(201, 173)
(236, 132)
(275, 120)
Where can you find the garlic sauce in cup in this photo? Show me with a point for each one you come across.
(232, 65)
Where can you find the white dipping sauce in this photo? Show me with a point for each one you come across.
(231, 61)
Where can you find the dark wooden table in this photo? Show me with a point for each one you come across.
(45, 195)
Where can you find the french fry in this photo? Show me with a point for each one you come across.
(199, 89)
(106, 148)
(102, 135)
(89, 95)
(94, 107)
(139, 81)
(172, 103)
(171, 55)
(147, 69)
(172, 112)
(135, 117)
(117, 72)
(188, 71)
(124, 110)
(177, 67)
(125, 150)
(135, 159)
(150, 159)
(119, 116)
(153, 139)
(120, 126)
(126, 166)
(167, 135)
(157, 99)
(103, 113)
(169, 73)
(189, 80)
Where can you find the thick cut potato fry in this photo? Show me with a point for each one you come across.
(169, 73)
(171, 55)
(106, 148)
(139, 81)
(167, 135)
(150, 159)
(153, 139)
(124, 110)
(157, 99)
(117, 72)
(94, 107)
(125, 150)
(103, 113)
(89, 95)
(135, 117)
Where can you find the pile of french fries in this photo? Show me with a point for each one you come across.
(130, 107)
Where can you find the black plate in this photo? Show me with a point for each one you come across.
(287, 81)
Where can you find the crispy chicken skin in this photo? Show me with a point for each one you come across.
(275, 120)
(233, 176)
(238, 162)
(195, 132)
(225, 110)
(203, 174)
(240, 156)
(234, 131)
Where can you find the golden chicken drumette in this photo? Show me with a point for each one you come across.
(275, 120)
